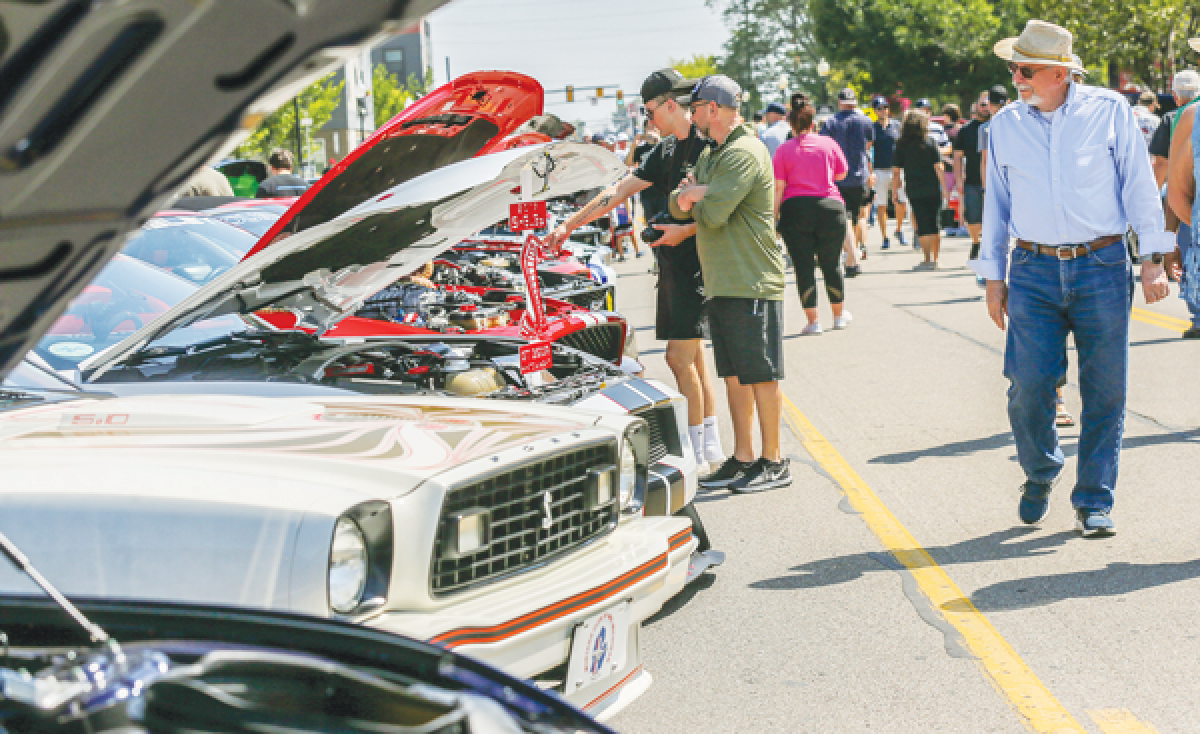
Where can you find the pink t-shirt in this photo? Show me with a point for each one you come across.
(808, 163)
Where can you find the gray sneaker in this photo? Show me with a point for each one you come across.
(1094, 523)
(762, 476)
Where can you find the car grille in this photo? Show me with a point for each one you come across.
(602, 340)
(515, 500)
(663, 432)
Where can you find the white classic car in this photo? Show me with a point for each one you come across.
(337, 479)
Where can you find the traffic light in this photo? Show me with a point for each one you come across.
(570, 93)
(620, 96)
(599, 92)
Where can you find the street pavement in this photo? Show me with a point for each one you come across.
(892, 588)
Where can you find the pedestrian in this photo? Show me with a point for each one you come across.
(1144, 114)
(966, 172)
(777, 129)
(1181, 196)
(855, 133)
(954, 123)
(731, 198)
(280, 181)
(1185, 86)
(887, 132)
(651, 200)
(918, 156)
(810, 211)
(1068, 175)
(621, 147)
(679, 308)
(936, 130)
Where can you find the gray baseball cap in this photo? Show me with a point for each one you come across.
(716, 88)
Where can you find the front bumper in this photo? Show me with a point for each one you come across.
(526, 628)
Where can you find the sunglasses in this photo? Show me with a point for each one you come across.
(1027, 72)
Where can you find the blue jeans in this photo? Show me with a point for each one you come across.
(1090, 296)
(1189, 286)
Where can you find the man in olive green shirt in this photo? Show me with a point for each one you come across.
(731, 198)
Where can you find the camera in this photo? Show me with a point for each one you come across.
(651, 234)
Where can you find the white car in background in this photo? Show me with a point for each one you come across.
(208, 459)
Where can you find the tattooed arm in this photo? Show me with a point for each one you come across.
(604, 203)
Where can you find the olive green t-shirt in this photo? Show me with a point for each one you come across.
(735, 221)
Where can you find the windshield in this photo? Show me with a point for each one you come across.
(196, 248)
(127, 295)
(255, 220)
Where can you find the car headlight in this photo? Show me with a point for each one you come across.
(348, 562)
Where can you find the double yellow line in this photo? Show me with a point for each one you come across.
(1007, 671)
(1170, 323)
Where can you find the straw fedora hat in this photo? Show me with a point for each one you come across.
(1040, 43)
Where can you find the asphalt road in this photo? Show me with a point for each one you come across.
(892, 588)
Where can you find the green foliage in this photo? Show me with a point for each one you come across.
(1147, 38)
(696, 67)
(769, 38)
(391, 97)
(928, 48)
(317, 102)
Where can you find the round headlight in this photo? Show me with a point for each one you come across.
(628, 471)
(347, 567)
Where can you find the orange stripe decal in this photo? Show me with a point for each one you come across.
(613, 690)
(496, 633)
(680, 539)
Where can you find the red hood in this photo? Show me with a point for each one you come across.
(468, 117)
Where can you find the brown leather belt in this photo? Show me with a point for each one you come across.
(1070, 252)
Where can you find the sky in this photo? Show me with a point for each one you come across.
(578, 42)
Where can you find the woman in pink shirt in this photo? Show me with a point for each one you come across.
(810, 213)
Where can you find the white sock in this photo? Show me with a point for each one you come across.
(697, 436)
(712, 440)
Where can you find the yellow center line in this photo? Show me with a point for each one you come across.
(1005, 668)
(1120, 721)
(1161, 320)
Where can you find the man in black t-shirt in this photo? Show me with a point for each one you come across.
(282, 182)
(680, 306)
(967, 177)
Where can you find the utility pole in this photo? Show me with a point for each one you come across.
(296, 128)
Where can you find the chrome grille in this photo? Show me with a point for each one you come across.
(515, 500)
(602, 340)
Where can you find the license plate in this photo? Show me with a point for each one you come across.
(598, 647)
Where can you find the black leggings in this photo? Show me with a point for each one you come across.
(814, 227)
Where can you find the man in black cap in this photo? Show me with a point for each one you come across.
(680, 305)
(855, 133)
(777, 130)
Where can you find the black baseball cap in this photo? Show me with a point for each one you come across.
(997, 95)
(776, 108)
(715, 88)
(666, 81)
(879, 102)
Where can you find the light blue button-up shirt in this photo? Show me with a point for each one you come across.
(1068, 177)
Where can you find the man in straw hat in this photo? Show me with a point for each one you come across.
(1067, 174)
(1181, 197)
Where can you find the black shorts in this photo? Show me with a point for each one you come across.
(925, 210)
(747, 338)
(680, 312)
(855, 197)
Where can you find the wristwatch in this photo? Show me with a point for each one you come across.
(1157, 258)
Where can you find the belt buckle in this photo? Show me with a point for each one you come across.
(1069, 249)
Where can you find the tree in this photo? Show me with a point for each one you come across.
(930, 48)
(1147, 38)
(391, 97)
(769, 39)
(696, 67)
(317, 102)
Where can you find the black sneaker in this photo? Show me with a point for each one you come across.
(852, 271)
(1192, 333)
(763, 475)
(731, 470)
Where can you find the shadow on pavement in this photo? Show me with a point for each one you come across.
(1018, 542)
(1116, 579)
(680, 600)
(956, 448)
(949, 301)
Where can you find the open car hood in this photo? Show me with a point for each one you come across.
(470, 116)
(108, 108)
(327, 271)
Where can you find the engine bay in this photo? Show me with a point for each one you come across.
(461, 367)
